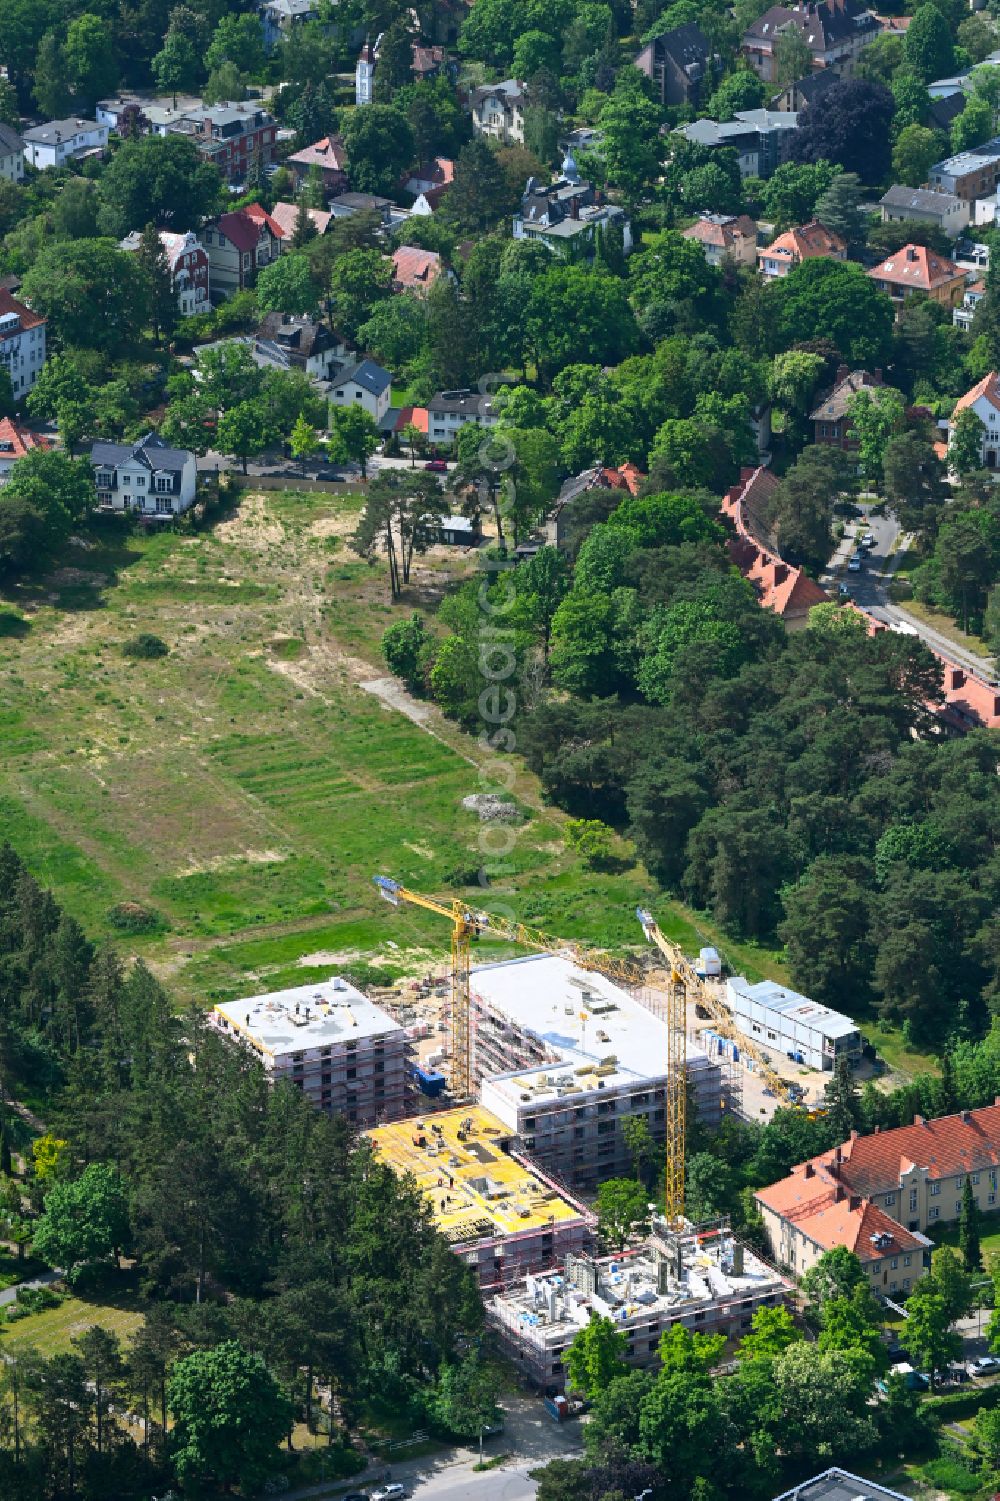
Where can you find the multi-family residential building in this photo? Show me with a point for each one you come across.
(565, 524)
(567, 216)
(835, 31)
(153, 115)
(341, 1050)
(564, 1057)
(187, 261)
(231, 136)
(301, 343)
(830, 418)
(329, 155)
(798, 245)
(779, 1018)
(761, 138)
(839, 1485)
(681, 64)
(984, 400)
(449, 411)
(722, 237)
(11, 154)
(365, 385)
(925, 206)
(786, 591)
(15, 443)
(22, 344)
(60, 141)
(708, 1285)
(804, 92)
(915, 268)
(498, 111)
(969, 174)
(238, 245)
(879, 1193)
(964, 315)
(149, 477)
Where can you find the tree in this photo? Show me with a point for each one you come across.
(835, 300)
(741, 90)
(915, 152)
(304, 441)
(404, 646)
(927, 45)
(596, 1357)
(622, 1210)
(47, 494)
(379, 145)
(162, 297)
(849, 125)
(968, 1228)
(965, 446)
(161, 180)
(576, 315)
(74, 213)
(792, 57)
(237, 40)
(94, 294)
(875, 414)
(478, 192)
(246, 430)
(89, 58)
(630, 130)
(836, 1274)
(229, 1416)
(973, 126)
(772, 1330)
(100, 1351)
(395, 332)
(913, 480)
(175, 66)
(801, 508)
(360, 279)
(826, 927)
(929, 1338)
(287, 286)
(465, 1400)
(355, 433)
(791, 193)
(305, 227)
(839, 208)
(636, 1133)
(85, 1220)
(401, 517)
(51, 89)
(226, 83)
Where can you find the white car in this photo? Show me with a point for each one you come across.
(388, 1493)
(984, 1365)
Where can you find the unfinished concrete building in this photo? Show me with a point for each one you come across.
(501, 1213)
(331, 1042)
(707, 1281)
(563, 1057)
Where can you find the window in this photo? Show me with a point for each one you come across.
(991, 1198)
(975, 1178)
(907, 1259)
(140, 482)
(913, 1199)
(163, 507)
(958, 1207)
(105, 479)
(164, 483)
(889, 1200)
(935, 1189)
(934, 1212)
(959, 1181)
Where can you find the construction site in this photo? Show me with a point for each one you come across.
(702, 1279)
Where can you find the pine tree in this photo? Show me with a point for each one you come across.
(257, 178)
(305, 230)
(968, 1229)
(947, 1096)
(841, 1101)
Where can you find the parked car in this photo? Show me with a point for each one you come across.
(984, 1365)
(854, 566)
(436, 466)
(389, 1492)
(867, 540)
(843, 591)
(338, 479)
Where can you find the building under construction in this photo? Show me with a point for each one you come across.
(705, 1280)
(563, 1056)
(501, 1213)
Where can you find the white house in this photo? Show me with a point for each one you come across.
(300, 343)
(187, 262)
(149, 477)
(60, 141)
(22, 344)
(449, 411)
(498, 111)
(365, 385)
(984, 400)
(364, 73)
(11, 154)
(16, 442)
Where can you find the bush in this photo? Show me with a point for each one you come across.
(953, 1476)
(363, 974)
(130, 917)
(144, 645)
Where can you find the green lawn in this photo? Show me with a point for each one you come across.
(989, 1233)
(898, 1054)
(248, 789)
(52, 1331)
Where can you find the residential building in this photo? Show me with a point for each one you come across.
(911, 1177)
(415, 270)
(945, 109)
(343, 1052)
(238, 245)
(449, 411)
(286, 216)
(365, 385)
(11, 154)
(187, 261)
(346, 204)
(431, 180)
(914, 268)
(775, 1017)
(364, 73)
(925, 206)
(15, 442)
(788, 592)
(301, 343)
(329, 155)
(153, 114)
(499, 1212)
(281, 17)
(22, 344)
(969, 174)
(460, 531)
(706, 1284)
(805, 92)
(149, 477)
(839, 1485)
(231, 136)
(564, 523)
(970, 702)
(835, 31)
(723, 237)
(831, 423)
(797, 245)
(681, 64)
(498, 111)
(567, 216)
(60, 141)
(983, 399)
(964, 315)
(563, 1057)
(426, 63)
(761, 138)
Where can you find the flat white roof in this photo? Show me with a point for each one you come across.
(585, 1019)
(307, 1016)
(796, 1007)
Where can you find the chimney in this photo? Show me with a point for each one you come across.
(838, 1155)
(854, 1135)
(854, 1203)
(967, 1117)
(843, 371)
(780, 572)
(877, 376)
(840, 1195)
(918, 1120)
(911, 253)
(876, 1130)
(810, 1171)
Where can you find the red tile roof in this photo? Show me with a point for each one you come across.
(329, 152)
(20, 439)
(708, 231)
(989, 387)
(243, 226)
(826, 1213)
(806, 242)
(916, 266)
(414, 269)
(9, 304)
(625, 477)
(286, 215)
(787, 591)
(418, 416)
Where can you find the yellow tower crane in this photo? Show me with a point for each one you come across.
(683, 982)
(468, 923)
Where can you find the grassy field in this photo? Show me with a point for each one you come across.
(246, 787)
(51, 1332)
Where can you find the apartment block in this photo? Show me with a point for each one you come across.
(330, 1041)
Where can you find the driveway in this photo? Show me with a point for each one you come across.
(10, 1293)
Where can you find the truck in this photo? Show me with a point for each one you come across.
(557, 1408)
